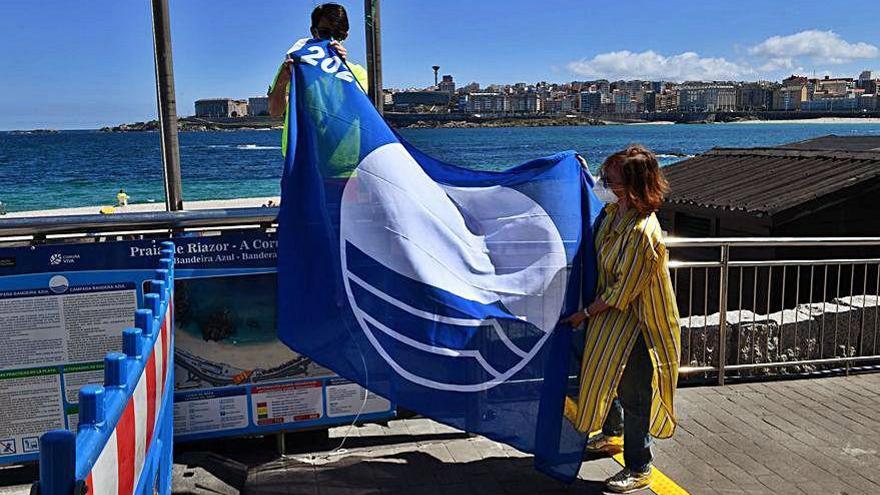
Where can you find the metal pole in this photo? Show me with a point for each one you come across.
(167, 104)
(722, 312)
(374, 53)
(281, 443)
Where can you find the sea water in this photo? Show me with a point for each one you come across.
(87, 168)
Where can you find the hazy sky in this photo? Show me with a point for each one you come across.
(83, 64)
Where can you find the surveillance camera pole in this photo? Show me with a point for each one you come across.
(374, 53)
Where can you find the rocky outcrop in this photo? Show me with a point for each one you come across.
(193, 124)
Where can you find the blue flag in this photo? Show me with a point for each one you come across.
(434, 286)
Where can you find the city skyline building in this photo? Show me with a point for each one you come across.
(446, 85)
(603, 97)
(221, 108)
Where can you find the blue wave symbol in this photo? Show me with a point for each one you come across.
(435, 338)
(59, 284)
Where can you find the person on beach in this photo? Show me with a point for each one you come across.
(630, 365)
(329, 22)
(122, 198)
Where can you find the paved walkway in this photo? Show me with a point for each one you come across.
(817, 436)
(807, 436)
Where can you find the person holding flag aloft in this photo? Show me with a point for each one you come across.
(329, 22)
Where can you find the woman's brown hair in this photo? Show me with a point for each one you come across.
(643, 180)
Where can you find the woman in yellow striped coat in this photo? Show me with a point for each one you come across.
(630, 365)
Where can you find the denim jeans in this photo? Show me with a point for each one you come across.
(630, 413)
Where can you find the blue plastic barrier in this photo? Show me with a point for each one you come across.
(124, 442)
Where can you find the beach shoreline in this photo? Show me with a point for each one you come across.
(817, 120)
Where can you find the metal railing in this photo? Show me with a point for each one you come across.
(42, 228)
(759, 316)
(772, 313)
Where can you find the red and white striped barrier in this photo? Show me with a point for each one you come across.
(121, 462)
(124, 442)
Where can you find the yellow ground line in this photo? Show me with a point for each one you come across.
(660, 483)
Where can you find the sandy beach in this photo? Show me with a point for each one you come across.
(246, 357)
(820, 120)
(147, 207)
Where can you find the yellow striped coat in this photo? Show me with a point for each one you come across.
(634, 280)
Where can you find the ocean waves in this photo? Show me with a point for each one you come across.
(249, 147)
